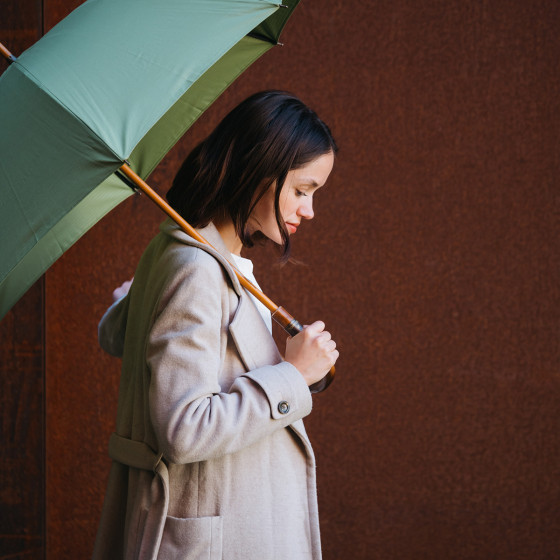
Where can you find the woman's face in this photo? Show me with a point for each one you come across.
(296, 199)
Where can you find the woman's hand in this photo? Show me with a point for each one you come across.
(313, 352)
(122, 290)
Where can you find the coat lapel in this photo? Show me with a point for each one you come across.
(250, 334)
(252, 337)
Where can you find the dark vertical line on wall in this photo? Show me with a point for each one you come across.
(43, 413)
(44, 369)
(43, 489)
(42, 16)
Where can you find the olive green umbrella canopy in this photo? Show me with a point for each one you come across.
(116, 81)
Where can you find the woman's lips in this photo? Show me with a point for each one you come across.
(292, 228)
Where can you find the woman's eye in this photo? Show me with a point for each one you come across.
(300, 193)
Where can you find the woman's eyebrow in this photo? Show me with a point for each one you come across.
(308, 182)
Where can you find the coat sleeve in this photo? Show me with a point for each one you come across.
(193, 420)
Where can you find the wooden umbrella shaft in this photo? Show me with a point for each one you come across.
(148, 191)
(279, 314)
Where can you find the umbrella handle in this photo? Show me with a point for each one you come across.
(292, 326)
(279, 314)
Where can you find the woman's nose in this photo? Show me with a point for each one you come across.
(306, 208)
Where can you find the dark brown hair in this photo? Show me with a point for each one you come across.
(255, 145)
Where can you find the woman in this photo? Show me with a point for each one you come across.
(210, 456)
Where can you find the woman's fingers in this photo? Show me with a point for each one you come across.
(122, 290)
(312, 351)
(331, 345)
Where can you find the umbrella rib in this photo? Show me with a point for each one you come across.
(128, 182)
(264, 38)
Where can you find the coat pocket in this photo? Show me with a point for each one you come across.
(197, 538)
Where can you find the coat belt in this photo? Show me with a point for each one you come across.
(139, 455)
(135, 454)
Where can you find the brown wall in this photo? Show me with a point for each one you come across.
(433, 258)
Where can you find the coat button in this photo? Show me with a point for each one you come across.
(283, 407)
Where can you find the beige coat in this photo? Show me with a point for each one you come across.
(211, 459)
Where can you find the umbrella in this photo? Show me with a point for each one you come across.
(103, 97)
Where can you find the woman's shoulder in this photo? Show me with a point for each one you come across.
(177, 274)
(187, 256)
(191, 263)
(176, 257)
(171, 250)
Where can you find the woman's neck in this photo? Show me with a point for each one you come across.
(229, 236)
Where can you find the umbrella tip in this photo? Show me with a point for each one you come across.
(7, 54)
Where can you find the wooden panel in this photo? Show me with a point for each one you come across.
(22, 476)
